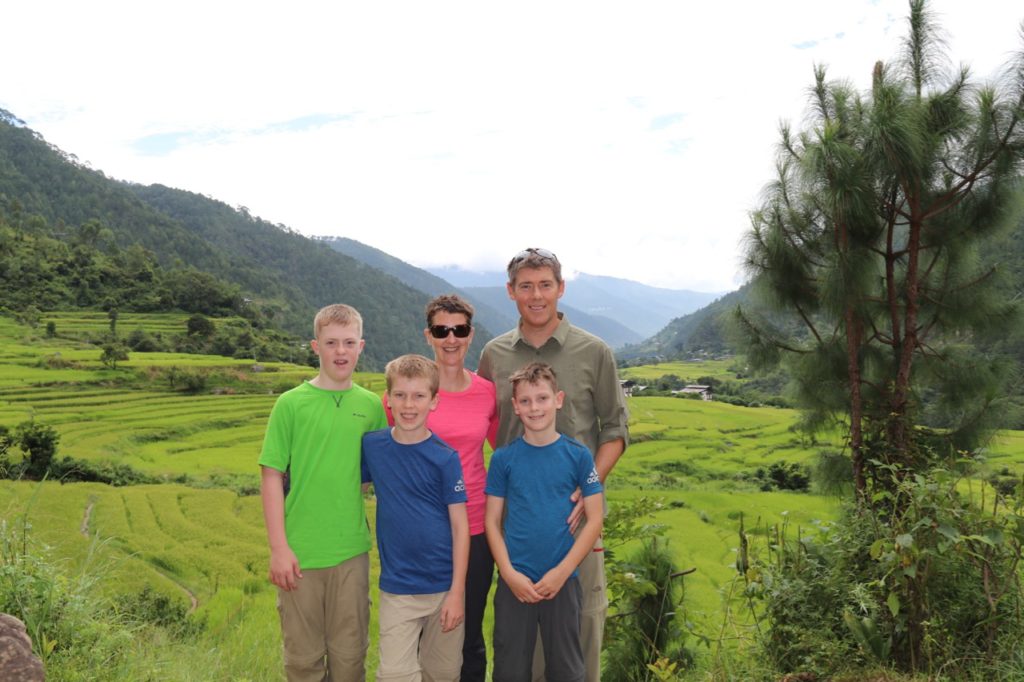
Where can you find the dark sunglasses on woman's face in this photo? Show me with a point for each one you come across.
(440, 331)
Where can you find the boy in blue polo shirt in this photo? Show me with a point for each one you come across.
(533, 478)
(422, 531)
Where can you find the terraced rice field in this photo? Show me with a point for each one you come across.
(688, 370)
(83, 324)
(207, 547)
(132, 416)
(704, 441)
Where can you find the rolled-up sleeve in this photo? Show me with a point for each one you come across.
(610, 402)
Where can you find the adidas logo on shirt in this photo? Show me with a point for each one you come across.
(460, 487)
(593, 477)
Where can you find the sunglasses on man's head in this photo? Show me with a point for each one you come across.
(526, 253)
(440, 331)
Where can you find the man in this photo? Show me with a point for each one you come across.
(594, 410)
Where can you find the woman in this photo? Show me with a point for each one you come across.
(466, 415)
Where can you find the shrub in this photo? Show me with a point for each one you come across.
(925, 580)
(187, 380)
(38, 442)
(113, 353)
(200, 325)
(783, 476)
(142, 341)
(68, 469)
(646, 631)
(154, 608)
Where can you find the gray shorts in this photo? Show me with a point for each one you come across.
(515, 634)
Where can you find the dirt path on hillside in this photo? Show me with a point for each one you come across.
(85, 519)
(192, 598)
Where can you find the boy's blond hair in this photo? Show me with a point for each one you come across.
(534, 373)
(337, 313)
(413, 366)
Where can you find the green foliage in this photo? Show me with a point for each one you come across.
(869, 238)
(927, 581)
(187, 380)
(69, 625)
(200, 325)
(627, 522)
(155, 608)
(648, 630)
(783, 476)
(113, 353)
(38, 442)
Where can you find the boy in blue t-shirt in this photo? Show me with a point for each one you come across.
(534, 478)
(422, 531)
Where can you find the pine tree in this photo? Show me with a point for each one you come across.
(869, 236)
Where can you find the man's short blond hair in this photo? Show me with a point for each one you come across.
(337, 313)
(534, 373)
(413, 366)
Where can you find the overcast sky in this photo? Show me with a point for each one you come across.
(631, 138)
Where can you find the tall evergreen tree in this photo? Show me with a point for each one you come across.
(869, 236)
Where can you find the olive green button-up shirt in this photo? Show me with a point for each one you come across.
(594, 411)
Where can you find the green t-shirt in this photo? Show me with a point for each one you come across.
(315, 435)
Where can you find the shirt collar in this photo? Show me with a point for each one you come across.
(560, 334)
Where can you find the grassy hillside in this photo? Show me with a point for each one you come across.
(203, 546)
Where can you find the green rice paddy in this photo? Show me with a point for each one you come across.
(207, 546)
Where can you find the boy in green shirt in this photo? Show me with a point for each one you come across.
(319, 540)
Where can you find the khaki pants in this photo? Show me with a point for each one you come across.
(412, 645)
(593, 611)
(325, 623)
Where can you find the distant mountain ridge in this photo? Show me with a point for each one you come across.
(495, 311)
(488, 320)
(640, 310)
(288, 275)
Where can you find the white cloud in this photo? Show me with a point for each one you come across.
(631, 139)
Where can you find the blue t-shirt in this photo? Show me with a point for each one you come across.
(414, 486)
(537, 483)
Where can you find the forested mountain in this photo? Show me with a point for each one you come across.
(48, 192)
(488, 320)
(702, 333)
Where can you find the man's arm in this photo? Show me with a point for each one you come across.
(607, 457)
(454, 607)
(613, 416)
(521, 585)
(284, 565)
(552, 581)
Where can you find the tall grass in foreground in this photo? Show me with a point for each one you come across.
(83, 632)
